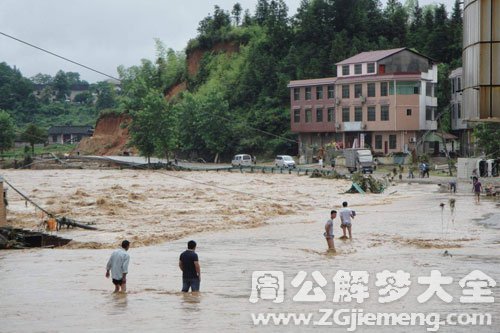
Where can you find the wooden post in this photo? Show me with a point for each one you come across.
(3, 209)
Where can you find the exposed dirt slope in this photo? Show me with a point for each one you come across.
(194, 56)
(110, 136)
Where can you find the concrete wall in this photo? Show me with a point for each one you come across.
(465, 166)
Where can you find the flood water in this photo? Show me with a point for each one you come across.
(63, 290)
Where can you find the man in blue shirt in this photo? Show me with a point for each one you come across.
(190, 267)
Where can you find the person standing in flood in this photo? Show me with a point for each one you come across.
(329, 231)
(346, 215)
(190, 267)
(477, 187)
(118, 265)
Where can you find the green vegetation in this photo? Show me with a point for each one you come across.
(44, 100)
(237, 98)
(21, 152)
(487, 135)
(6, 131)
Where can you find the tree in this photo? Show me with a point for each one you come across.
(61, 86)
(212, 116)
(7, 131)
(146, 130)
(85, 98)
(106, 97)
(456, 25)
(487, 135)
(41, 79)
(237, 13)
(33, 135)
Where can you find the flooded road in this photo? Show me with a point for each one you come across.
(61, 290)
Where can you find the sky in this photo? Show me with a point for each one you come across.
(104, 34)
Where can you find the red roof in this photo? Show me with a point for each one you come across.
(370, 56)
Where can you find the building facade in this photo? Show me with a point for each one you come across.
(460, 124)
(384, 100)
(68, 134)
(481, 60)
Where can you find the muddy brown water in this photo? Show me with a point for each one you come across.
(61, 290)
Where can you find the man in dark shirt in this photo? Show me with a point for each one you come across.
(190, 267)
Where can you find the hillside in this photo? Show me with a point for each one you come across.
(110, 137)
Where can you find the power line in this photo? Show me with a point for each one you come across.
(112, 77)
(59, 56)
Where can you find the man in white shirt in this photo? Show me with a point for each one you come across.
(118, 265)
(345, 219)
(329, 231)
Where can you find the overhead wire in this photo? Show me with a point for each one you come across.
(59, 56)
(115, 78)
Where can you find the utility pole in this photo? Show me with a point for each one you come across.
(3, 208)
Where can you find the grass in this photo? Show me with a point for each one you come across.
(18, 153)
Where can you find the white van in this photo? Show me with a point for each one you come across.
(241, 159)
(284, 161)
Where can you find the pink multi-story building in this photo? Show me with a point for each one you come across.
(385, 100)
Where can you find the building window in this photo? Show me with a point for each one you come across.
(459, 111)
(357, 69)
(345, 91)
(296, 116)
(407, 88)
(392, 141)
(308, 116)
(54, 138)
(358, 90)
(384, 112)
(331, 92)
(296, 94)
(371, 113)
(308, 93)
(319, 115)
(429, 113)
(408, 112)
(429, 87)
(378, 141)
(345, 70)
(319, 92)
(459, 85)
(331, 115)
(371, 89)
(358, 113)
(345, 114)
(391, 88)
(370, 67)
(383, 88)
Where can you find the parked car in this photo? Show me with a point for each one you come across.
(241, 159)
(284, 161)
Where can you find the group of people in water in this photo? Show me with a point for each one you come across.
(346, 215)
(117, 268)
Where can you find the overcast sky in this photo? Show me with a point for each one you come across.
(103, 34)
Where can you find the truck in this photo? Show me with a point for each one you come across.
(358, 159)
